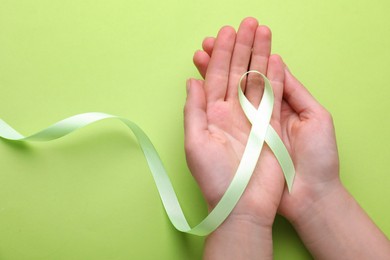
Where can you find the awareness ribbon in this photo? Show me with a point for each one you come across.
(261, 131)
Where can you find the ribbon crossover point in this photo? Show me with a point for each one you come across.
(261, 132)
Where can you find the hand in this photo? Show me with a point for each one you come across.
(216, 132)
(309, 135)
(216, 128)
(328, 219)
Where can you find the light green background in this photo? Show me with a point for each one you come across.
(90, 195)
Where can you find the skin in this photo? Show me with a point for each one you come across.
(330, 222)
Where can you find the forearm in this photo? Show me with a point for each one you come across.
(336, 227)
(239, 238)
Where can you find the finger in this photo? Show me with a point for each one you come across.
(261, 49)
(241, 55)
(201, 60)
(195, 119)
(208, 45)
(297, 96)
(275, 73)
(259, 61)
(217, 74)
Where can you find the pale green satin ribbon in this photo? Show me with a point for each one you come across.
(261, 131)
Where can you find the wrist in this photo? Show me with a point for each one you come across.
(263, 223)
(307, 198)
(239, 237)
(252, 216)
(257, 211)
(335, 225)
(322, 206)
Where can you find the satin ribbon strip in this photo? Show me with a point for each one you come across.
(261, 131)
(272, 138)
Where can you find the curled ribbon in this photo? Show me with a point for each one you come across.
(261, 131)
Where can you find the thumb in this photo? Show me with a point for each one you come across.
(297, 96)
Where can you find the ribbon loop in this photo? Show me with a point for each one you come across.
(261, 131)
(272, 138)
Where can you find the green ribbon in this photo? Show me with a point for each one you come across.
(261, 131)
